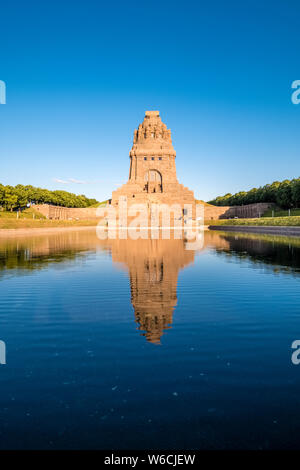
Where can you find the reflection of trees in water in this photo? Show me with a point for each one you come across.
(34, 253)
(281, 253)
(24, 260)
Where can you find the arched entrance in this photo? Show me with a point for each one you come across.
(153, 181)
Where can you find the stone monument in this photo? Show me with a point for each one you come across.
(152, 174)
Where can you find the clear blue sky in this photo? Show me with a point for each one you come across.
(80, 75)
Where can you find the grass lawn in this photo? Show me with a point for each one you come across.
(43, 223)
(199, 201)
(275, 221)
(281, 212)
(30, 218)
(29, 213)
(99, 204)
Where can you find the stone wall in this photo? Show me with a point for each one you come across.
(248, 211)
(66, 213)
(210, 212)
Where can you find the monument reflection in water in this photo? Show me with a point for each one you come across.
(153, 267)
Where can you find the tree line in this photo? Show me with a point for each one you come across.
(285, 194)
(15, 197)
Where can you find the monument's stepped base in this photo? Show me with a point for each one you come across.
(174, 193)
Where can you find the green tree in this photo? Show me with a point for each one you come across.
(10, 198)
(286, 194)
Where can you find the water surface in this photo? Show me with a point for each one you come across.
(124, 344)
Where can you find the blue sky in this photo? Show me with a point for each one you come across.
(80, 76)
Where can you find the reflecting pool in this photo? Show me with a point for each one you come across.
(127, 344)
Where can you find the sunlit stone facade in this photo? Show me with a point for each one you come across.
(152, 174)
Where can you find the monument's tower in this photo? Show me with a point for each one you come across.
(152, 174)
